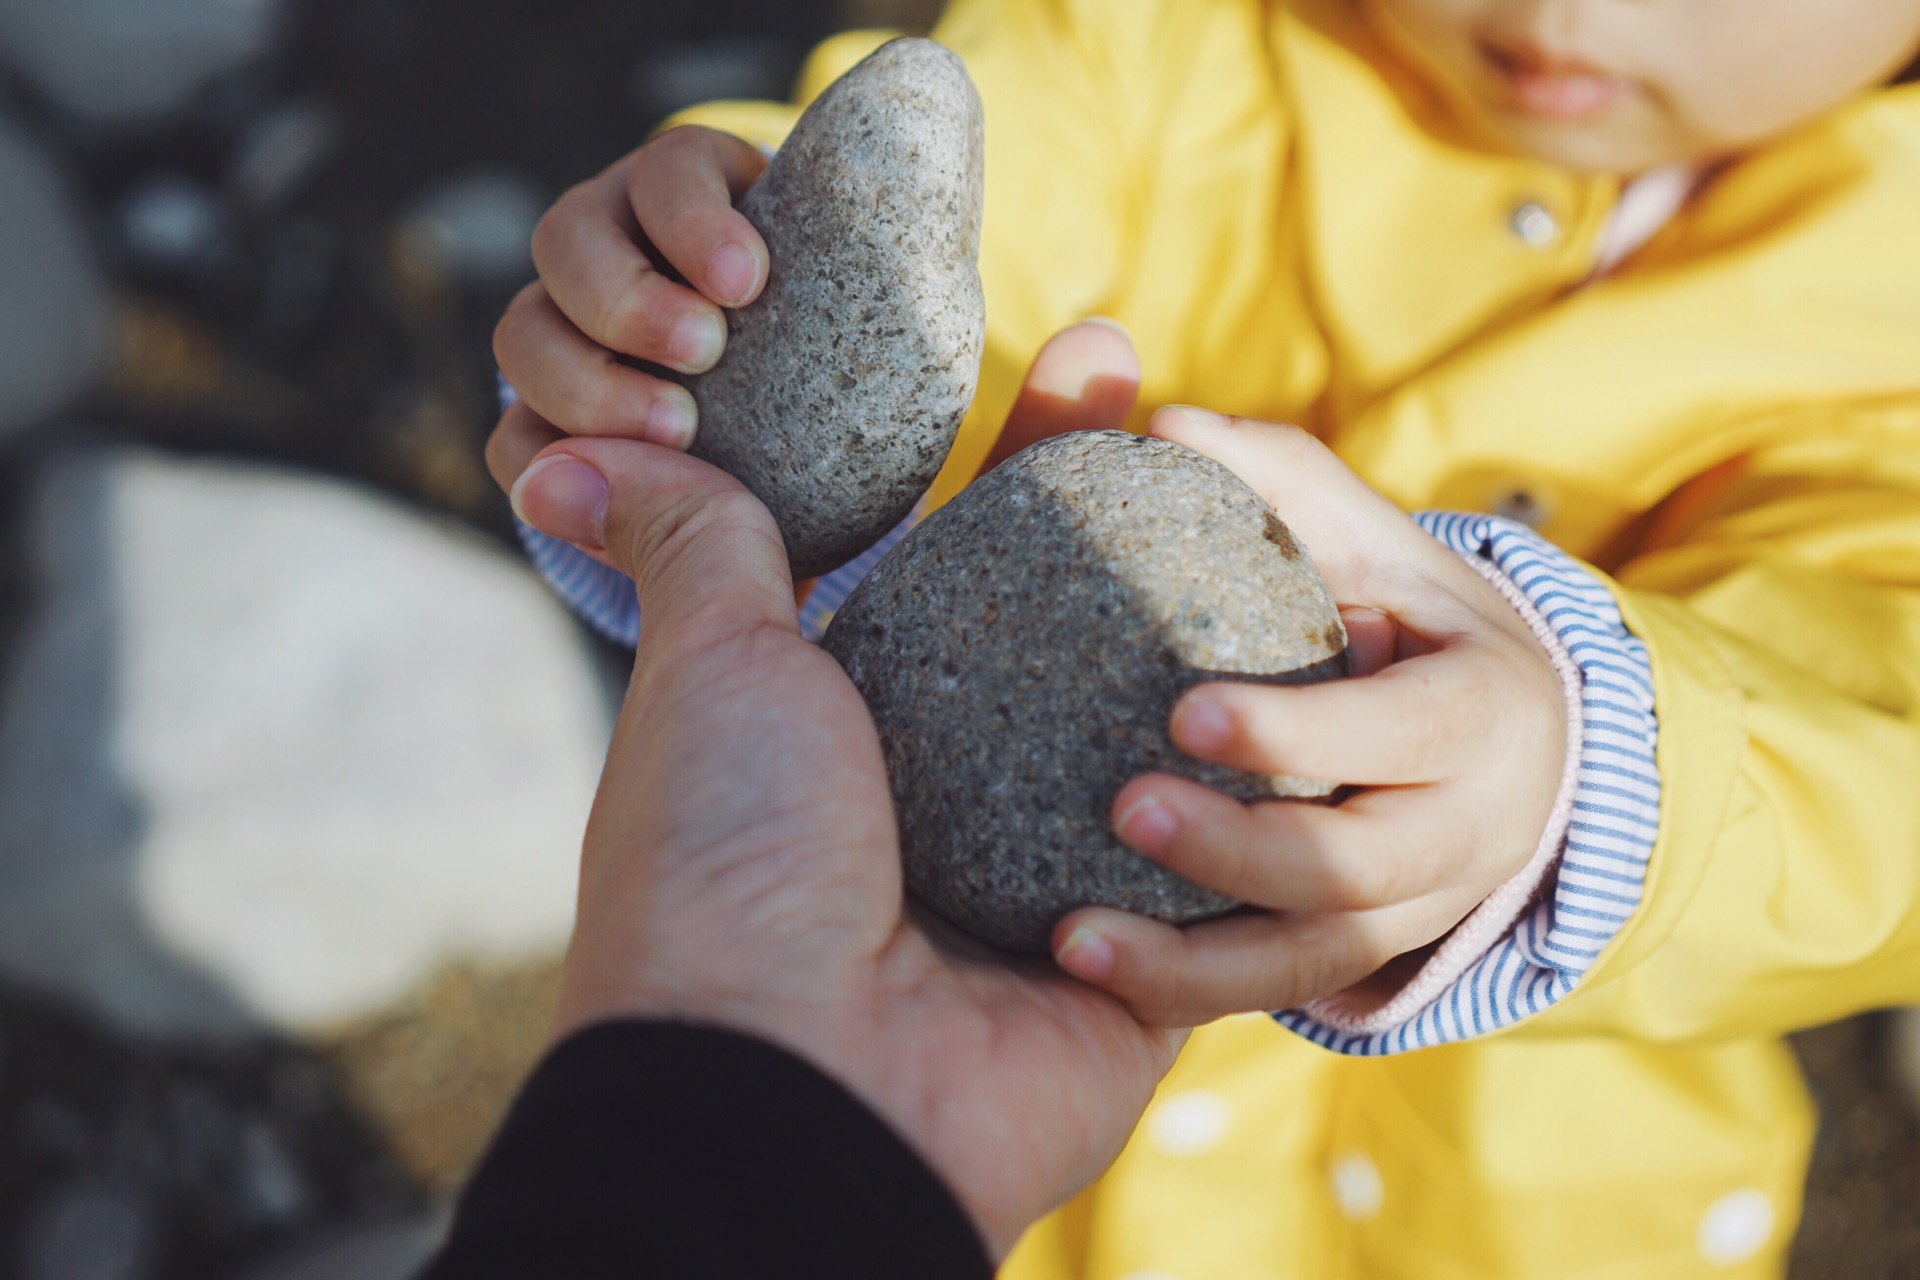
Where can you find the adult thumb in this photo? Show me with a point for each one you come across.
(702, 551)
(1085, 378)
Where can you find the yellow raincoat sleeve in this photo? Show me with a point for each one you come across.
(1780, 600)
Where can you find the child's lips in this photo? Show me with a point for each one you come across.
(1555, 89)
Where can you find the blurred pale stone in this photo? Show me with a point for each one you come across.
(277, 750)
(119, 62)
(54, 313)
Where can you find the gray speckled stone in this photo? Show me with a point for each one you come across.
(844, 383)
(1022, 649)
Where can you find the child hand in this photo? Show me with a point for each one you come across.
(603, 252)
(1455, 725)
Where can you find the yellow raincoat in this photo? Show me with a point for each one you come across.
(1727, 426)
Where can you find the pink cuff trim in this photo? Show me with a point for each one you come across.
(1491, 921)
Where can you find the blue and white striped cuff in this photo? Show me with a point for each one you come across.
(1616, 807)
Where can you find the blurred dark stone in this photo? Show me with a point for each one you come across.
(90, 1231)
(173, 225)
(678, 75)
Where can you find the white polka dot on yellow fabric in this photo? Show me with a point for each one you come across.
(1186, 1124)
(1735, 1227)
(1357, 1188)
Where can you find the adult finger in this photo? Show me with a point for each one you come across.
(1086, 378)
(1368, 550)
(704, 553)
(682, 186)
(578, 385)
(1376, 849)
(589, 258)
(1183, 977)
(520, 434)
(1426, 719)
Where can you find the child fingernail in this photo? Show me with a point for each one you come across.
(732, 273)
(564, 498)
(1201, 725)
(1085, 954)
(697, 341)
(1199, 417)
(672, 418)
(1146, 825)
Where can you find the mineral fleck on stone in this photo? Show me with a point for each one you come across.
(1022, 649)
(843, 385)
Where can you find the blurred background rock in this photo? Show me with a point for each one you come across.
(294, 751)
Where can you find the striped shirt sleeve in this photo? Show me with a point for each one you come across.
(1589, 884)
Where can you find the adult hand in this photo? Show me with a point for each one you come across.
(742, 867)
(1455, 729)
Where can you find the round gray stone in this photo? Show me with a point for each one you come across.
(843, 384)
(1021, 652)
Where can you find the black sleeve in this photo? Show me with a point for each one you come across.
(652, 1149)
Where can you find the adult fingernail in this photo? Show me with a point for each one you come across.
(1147, 825)
(697, 341)
(1200, 724)
(1085, 954)
(1199, 417)
(732, 273)
(564, 498)
(672, 419)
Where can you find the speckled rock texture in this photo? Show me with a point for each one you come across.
(1022, 649)
(843, 385)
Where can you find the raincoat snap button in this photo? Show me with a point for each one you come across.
(1537, 228)
(1357, 1188)
(1188, 1123)
(1522, 506)
(1735, 1226)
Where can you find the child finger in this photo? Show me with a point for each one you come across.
(682, 186)
(520, 434)
(1291, 856)
(1422, 720)
(1182, 977)
(600, 279)
(578, 385)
